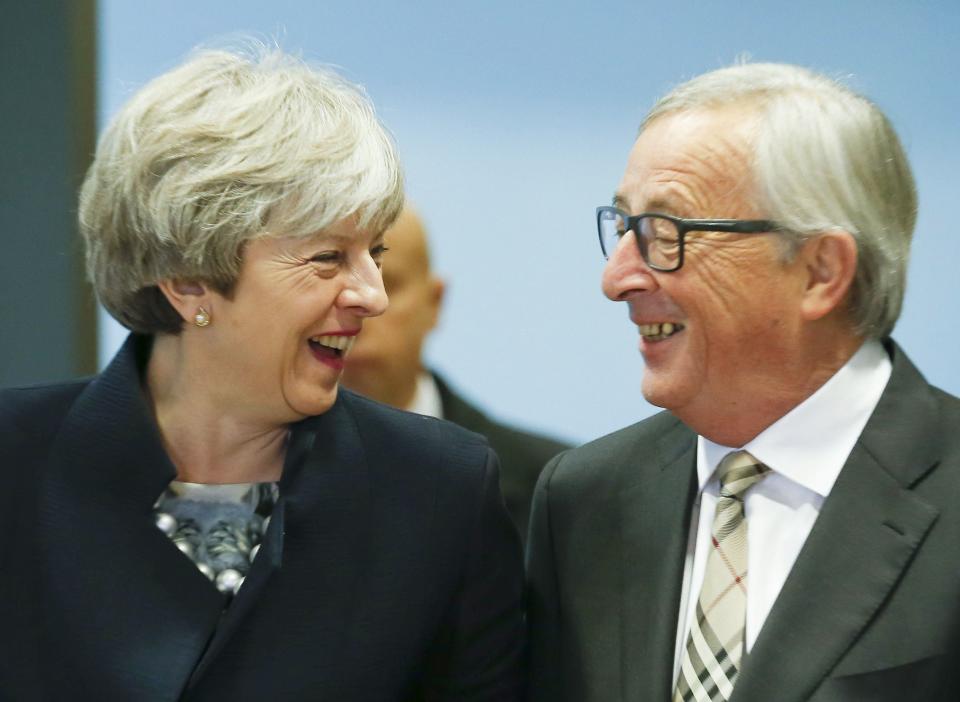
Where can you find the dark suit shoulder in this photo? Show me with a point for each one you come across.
(536, 448)
(948, 414)
(393, 419)
(652, 440)
(948, 404)
(415, 440)
(522, 452)
(530, 444)
(30, 416)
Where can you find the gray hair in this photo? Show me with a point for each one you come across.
(228, 147)
(824, 158)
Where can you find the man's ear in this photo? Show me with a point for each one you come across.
(186, 297)
(438, 288)
(830, 261)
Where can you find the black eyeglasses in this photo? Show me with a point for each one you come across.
(660, 237)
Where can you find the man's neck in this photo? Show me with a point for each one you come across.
(741, 421)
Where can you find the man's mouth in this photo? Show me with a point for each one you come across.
(659, 331)
(332, 345)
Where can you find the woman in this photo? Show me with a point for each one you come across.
(210, 518)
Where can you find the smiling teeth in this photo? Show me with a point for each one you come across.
(341, 343)
(657, 331)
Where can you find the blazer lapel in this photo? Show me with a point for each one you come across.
(323, 506)
(129, 613)
(267, 562)
(866, 534)
(655, 518)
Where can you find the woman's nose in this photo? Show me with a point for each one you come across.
(364, 292)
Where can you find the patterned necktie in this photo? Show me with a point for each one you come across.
(711, 662)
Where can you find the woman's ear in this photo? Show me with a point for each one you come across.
(190, 299)
(830, 259)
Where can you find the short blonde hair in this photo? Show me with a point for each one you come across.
(228, 147)
(824, 158)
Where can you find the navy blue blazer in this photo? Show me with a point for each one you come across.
(390, 571)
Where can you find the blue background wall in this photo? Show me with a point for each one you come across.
(514, 120)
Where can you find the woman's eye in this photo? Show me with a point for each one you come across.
(327, 257)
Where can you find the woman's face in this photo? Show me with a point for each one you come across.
(279, 340)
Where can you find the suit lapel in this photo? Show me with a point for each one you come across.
(129, 610)
(866, 534)
(655, 518)
(322, 509)
(267, 562)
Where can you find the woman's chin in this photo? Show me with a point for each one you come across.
(308, 402)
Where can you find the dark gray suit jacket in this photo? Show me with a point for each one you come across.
(870, 611)
(390, 570)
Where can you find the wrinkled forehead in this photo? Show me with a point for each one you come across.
(696, 163)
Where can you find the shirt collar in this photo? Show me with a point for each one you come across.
(426, 398)
(810, 444)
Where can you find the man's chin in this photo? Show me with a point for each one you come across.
(658, 391)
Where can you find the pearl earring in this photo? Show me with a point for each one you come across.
(201, 318)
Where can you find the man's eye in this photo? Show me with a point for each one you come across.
(376, 253)
(667, 244)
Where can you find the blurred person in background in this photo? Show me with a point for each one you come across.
(386, 364)
(211, 517)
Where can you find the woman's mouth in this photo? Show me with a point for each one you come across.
(331, 348)
(658, 331)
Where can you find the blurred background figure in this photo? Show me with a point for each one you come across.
(386, 364)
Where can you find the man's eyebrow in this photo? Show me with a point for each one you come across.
(657, 205)
(661, 205)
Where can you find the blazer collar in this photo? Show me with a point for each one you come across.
(134, 614)
(871, 518)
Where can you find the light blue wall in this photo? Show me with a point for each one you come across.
(514, 120)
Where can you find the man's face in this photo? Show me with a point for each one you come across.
(385, 360)
(734, 305)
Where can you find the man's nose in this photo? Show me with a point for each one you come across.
(626, 272)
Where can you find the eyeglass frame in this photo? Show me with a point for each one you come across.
(735, 226)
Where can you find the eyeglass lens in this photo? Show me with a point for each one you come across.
(658, 238)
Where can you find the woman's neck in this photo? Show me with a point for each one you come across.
(208, 440)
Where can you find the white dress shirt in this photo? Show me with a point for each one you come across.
(805, 450)
(426, 398)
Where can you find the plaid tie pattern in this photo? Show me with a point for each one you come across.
(714, 650)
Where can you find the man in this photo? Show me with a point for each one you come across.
(799, 443)
(385, 364)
